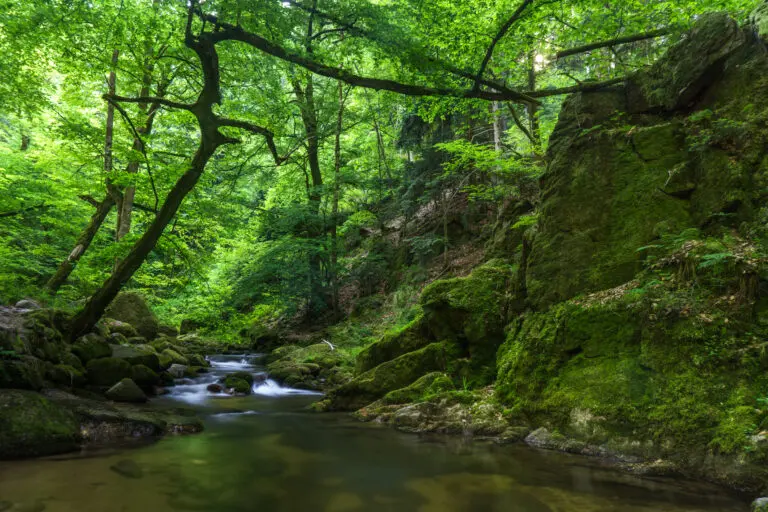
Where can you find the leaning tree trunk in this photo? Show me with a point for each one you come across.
(210, 139)
(98, 302)
(103, 208)
(86, 237)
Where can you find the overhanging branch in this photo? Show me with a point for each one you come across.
(612, 42)
(227, 32)
(499, 36)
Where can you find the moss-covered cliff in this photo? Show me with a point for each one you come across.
(632, 318)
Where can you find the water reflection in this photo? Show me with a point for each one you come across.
(266, 452)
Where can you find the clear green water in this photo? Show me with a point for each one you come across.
(280, 458)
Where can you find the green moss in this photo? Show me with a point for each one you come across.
(472, 312)
(604, 368)
(144, 376)
(395, 374)
(66, 376)
(238, 385)
(174, 356)
(412, 336)
(422, 389)
(31, 425)
(107, 371)
(137, 354)
(23, 373)
(91, 346)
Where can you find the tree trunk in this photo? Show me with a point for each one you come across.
(335, 206)
(24, 142)
(98, 302)
(533, 109)
(306, 101)
(103, 208)
(86, 237)
(497, 125)
(126, 205)
(111, 86)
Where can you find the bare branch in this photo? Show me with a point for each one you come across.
(259, 130)
(499, 36)
(227, 32)
(150, 99)
(612, 42)
(582, 87)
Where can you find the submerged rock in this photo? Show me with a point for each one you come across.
(127, 468)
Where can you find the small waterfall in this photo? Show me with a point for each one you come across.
(272, 388)
(195, 390)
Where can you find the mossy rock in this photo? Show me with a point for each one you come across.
(175, 357)
(91, 346)
(31, 425)
(25, 372)
(126, 391)
(197, 360)
(66, 376)
(291, 373)
(70, 359)
(389, 376)
(137, 354)
(246, 376)
(167, 330)
(130, 307)
(240, 386)
(472, 312)
(412, 337)
(616, 371)
(165, 361)
(120, 328)
(144, 376)
(108, 371)
(429, 385)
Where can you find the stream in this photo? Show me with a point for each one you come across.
(267, 452)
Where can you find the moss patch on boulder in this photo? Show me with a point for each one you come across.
(31, 425)
(108, 371)
(395, 374)
(130, 307)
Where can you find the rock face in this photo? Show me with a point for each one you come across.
(631, 164)
(640, 338)
(759, 20)
(131, 308)
(31, 425)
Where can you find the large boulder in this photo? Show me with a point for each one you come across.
(126, 391)
(91, 346)
(31, 425)
(107, 371)
(118, 328)
(145, 377)
(25, 372)
(130, 307)
(395, 374)
(66, 376)
(137, 354)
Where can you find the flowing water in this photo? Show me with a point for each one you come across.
(266, 452)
